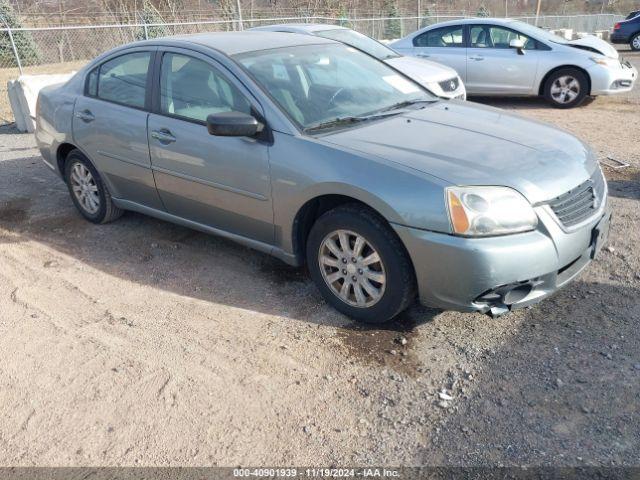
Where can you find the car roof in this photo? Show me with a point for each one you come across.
(232, 43)
(475, 21)
(304, 28)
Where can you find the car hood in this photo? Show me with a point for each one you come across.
(421, 70)
(597, 44)
(468, 144)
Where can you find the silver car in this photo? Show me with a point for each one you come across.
(312, 151)
(437, 78)
(505, 57)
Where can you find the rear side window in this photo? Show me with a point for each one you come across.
(441, 37)
(123, 79)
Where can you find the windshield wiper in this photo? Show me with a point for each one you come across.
(406, 103)
(336, 122)
(385, 112)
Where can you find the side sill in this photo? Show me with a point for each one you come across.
(247, 242)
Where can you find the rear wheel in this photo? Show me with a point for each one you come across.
(635, 43)
(566, 88)
(359, 264)
(89, 193)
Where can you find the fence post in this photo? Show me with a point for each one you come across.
(13, 46)
(144, 25)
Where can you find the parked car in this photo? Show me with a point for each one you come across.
(506, 57)
(312, 151)
(628, 31)
(439, 79)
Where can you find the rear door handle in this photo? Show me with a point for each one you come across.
(85, 116)
(477, 59)
(423, 55)
(163, 136)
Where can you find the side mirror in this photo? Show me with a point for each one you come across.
(233, 124)
(517, 44)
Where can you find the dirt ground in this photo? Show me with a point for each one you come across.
(144, 343)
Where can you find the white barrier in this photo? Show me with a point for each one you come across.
(23, 95)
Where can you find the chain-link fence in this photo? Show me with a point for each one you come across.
(64, 49)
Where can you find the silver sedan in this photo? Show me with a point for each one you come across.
(312, 151)
(505, 57)
(437, 78)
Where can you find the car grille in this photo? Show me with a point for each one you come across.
(580, 203)
(450, 85)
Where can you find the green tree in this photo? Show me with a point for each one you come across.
(26, 46)
(151, 17)
(483, 11)
(392, 27)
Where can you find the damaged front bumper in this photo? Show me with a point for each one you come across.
(497, 274)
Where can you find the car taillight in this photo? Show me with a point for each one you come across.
(616, 26)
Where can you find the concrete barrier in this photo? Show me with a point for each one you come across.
(23, 95)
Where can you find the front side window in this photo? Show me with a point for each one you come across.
(319, 83)
(123, 79)
(193, 89)
(490, 36)
(441, 37)
(359, 41)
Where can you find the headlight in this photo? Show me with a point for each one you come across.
(606, 61)
(486, 211)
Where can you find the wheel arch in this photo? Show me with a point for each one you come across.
(62, 152)
(543, 82)
(313, 208)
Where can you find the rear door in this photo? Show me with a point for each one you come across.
(493, 67)
(444, 45)
(110, 125)
(221, 182)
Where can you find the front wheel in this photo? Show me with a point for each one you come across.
(359, 264)
(635, 43)
(566, 88)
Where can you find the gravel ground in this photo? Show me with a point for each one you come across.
(144, 343)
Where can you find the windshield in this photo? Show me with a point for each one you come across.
(359, 41)
(317, 84)
(539, 33)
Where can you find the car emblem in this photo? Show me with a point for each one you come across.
(452, 85)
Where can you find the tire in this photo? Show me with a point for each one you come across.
(398, 288)
(635, 43)
(566, 88)
(88, 192)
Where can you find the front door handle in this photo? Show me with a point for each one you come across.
(163, 136)
(423, 55)
(477, 59)
(85, 115)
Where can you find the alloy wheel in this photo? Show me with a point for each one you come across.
(84, 188)
(636, 42)
(565, 89)
(352, 268)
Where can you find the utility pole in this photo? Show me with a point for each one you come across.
(506, 8)
(418, 14)
(239, 11)
(538, 12)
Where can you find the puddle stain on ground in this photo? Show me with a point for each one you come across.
(390, 345)
(15, 211)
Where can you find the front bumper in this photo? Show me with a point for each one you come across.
(456, 273)
(612, 80)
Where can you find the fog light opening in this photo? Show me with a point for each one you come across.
(517, 294)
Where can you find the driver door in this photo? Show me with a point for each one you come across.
(221, 182)
(493, 67)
